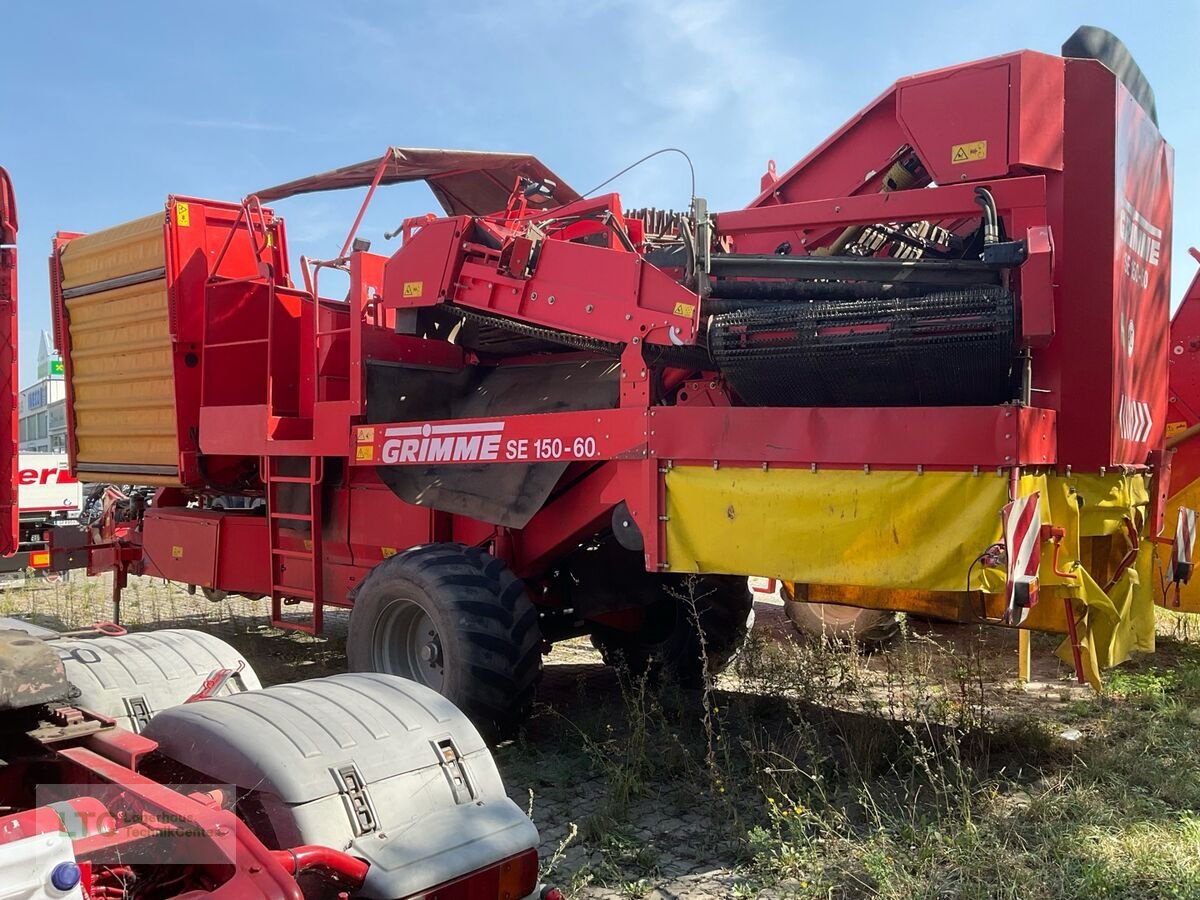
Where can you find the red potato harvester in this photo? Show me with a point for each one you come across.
(925, 370)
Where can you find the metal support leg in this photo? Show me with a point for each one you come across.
(120, 580)
(1023, 656)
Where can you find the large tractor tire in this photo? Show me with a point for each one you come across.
(457, 620)
(668, 642)
(845, 624)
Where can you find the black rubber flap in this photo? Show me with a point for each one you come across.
(1090, 42)
(500, 493)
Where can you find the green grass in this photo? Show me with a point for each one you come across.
(820, 776)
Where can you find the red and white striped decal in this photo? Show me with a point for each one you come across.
(1022, 521)
(1183, 546)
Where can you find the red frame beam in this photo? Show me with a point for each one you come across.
(10, 384)
(952, 437)
(937, 203)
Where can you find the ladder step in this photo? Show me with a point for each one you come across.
(293, 554)
(309, 560)
(303, 593)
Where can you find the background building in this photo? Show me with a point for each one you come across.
(43, 407)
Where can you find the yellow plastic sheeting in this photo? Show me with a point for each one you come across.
(904, 530)
(1109, 499)
(1116, 623)
(122, 375)
(883, 529)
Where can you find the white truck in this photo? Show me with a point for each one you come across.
(47, 496)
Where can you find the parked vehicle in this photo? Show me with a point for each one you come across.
(924, 370)
(48, 496)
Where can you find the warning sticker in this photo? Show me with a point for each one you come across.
(183, 215)
(1174, 428)
(685, 309)
(366, 435)
(414, 288)
(387, 552)
(365, 451)
(975, 151)
(177, 552)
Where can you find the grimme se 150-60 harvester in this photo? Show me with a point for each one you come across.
(924, 369)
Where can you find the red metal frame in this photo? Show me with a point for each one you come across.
(1183, 415)
(229, 855)
(9, 357)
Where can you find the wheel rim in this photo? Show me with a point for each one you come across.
(407, 643)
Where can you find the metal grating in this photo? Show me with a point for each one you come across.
(949, 348)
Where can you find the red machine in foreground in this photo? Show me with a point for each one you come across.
(924, 369)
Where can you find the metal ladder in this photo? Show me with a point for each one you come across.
(310, 556)
(312, 272)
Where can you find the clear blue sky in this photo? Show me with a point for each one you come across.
(109, 107)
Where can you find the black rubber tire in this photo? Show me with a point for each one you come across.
(844, 624)
(487, 626)
(669, 642)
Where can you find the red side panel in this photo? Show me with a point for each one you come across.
(9, 383)
(1107, 367)
(989, 119)
(958, 121)
(1142, 281)
(1184, 368)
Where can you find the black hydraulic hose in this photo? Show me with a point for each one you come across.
(991, 216)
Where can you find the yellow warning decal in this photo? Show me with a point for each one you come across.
(176, 552)
(366, 434)
(388, 552)
(414, 288)
(973, 151)
(365, 451)
(183, 215)
(685, 309)
(1174, 428)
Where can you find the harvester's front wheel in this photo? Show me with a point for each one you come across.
(698, 626)
(456, 619)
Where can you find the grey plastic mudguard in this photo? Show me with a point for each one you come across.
(134, 677)
(8, 622)
(376, 765)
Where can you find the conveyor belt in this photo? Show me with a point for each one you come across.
(946, 348)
